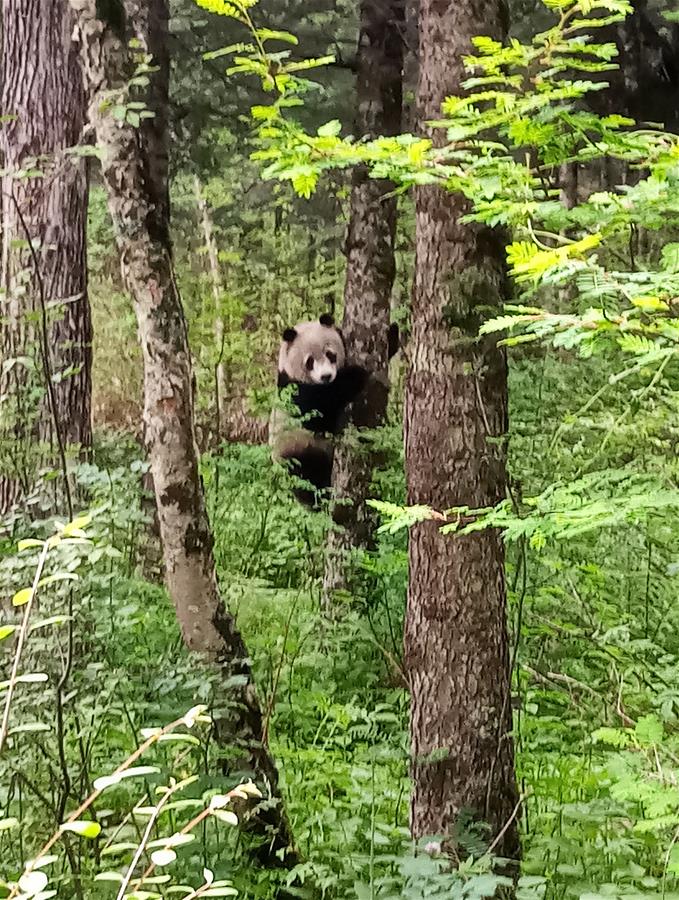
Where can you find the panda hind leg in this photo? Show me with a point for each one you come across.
(309, 459)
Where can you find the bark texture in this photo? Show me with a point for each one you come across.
(42, 92)
(138, 207)
(456, 644)
(369, 280)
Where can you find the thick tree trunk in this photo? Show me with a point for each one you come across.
(456, 645)
(138, 207)
(369, 280)
(42, 92)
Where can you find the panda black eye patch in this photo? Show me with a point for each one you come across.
(309, 363)
(332, 357)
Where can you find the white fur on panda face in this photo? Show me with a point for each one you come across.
(314, 356)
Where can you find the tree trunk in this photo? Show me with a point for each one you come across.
(44, 267)
(369, 280)
(220, 384)
(137, 205)
(456, 644)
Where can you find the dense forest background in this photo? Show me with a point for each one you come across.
(309, 693)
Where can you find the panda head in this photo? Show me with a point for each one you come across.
(312, 352)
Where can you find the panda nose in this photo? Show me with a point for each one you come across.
(326, 378)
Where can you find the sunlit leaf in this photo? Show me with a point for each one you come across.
(28, 543)
(22, 597)
(225, 815)
(32, 678)
(82, 828)
(107, 781)
(163, 857)
(109, 876)
(32, 883)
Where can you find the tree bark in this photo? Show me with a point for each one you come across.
(139, 208)
(220, 384)
(456, 644)
(44, 266)
(369, 280)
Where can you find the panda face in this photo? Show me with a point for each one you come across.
(322, 367)
(312, 352)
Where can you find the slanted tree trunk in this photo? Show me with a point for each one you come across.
(369, 280)
(138, 207)
(42, 92)
(456, 644)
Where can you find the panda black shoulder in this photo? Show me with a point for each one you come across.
(350, 382)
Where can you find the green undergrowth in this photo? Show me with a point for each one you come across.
(594, 626)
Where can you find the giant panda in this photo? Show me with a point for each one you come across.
(313, 359)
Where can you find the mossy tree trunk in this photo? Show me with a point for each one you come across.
(139, 208)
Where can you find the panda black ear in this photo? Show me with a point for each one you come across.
(327, 320)
(289, 335)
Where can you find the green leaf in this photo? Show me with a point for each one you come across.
(614, 737)
(29, 542)
(225, 815)
(122, 847)
(31, 727)
(22, 597)
(43, 861)
(220, 892)
(163, 857)
(174, 840)
(107, 781)
(6, 631)
(31, 678)
(75, 528)
(53, 620)
(268, 34)
(82, 828)
(32, 883)
(649, 730)
(330, 129)
(57, 577)
(232, 48)
(179, 737)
